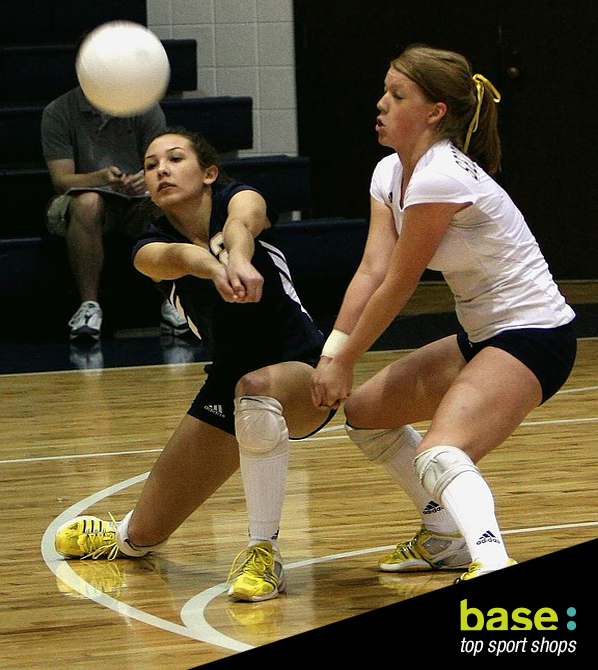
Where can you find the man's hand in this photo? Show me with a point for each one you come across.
(134, 184)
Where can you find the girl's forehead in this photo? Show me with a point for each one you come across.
(169, 141)
(396, 78)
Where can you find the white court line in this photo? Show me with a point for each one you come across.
(68, 457)
(192, 613)
(550, 422)
(66, 574)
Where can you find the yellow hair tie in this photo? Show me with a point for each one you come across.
(480, 82)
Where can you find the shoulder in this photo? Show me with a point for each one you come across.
(154, 117)
(245, 196)
(444, 174)
(222, 196)
(158, 231)
(70, 100)
(226, 191)
(384, 176)
(387, 167)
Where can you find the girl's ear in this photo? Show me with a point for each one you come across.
(211, 174)
(438, 112)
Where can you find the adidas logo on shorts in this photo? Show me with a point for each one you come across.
(215, 409)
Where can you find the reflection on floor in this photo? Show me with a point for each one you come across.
(133, 348)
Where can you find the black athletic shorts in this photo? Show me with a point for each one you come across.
(214, 404)
(548, 352)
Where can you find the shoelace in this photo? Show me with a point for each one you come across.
(409, 549)
(257, 561)
(90, 541)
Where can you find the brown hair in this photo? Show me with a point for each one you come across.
(446, 76)
(205, 152)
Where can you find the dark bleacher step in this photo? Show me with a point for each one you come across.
(42, 72)
(283, 180)
(33, 266)
(25, 192)
(225, 121)
(322, 248)
(44, 21)
(322, 254)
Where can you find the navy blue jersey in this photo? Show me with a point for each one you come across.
(241, 337)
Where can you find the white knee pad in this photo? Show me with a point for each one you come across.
(438, 466)
(381, 445)
(260, 426)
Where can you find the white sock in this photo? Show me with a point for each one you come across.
(264, 482)
(125, 545)
(469, 499)
(434, 516)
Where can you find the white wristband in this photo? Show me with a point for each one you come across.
(334, 343)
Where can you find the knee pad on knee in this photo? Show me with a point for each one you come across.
(439, 466)
(382, 445)
(260, 426)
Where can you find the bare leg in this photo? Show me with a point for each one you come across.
(197, 460)
(290, 384)
(85, 244)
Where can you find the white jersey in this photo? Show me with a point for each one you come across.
(488, 256)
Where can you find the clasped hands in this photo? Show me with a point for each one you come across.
(332, 383)
(238, 281)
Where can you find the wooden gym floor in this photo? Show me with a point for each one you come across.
(82, 441)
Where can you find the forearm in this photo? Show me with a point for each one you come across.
(361, 288)
(62, 183)
(377, 315)
(172, 261)
(239, 241)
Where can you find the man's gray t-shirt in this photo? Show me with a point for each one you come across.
(73, 129)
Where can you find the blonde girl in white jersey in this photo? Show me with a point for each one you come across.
(434, 205)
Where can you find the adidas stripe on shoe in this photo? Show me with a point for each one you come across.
(87, 537)
(427, 551)
(258, 574)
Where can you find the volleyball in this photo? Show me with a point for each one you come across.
(122, 68)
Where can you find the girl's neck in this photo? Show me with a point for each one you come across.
(192, 219)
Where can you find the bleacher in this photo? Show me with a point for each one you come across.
(34, 272)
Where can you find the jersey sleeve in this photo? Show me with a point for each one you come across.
(223, 196)
(381, 183)
(431, 186)
(152, 234)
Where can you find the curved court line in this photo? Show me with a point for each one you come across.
(66, 574)
(192, 613)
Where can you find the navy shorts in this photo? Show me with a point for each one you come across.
(548, 352)
(214, 404)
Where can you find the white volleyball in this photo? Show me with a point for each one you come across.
(123, 68)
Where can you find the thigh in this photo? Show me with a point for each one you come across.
(487, 401)
(290, 384)
(408, 390)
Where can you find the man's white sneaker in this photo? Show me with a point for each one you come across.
(171, 321)
(87, 321)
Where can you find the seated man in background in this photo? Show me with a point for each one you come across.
(95, 162)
